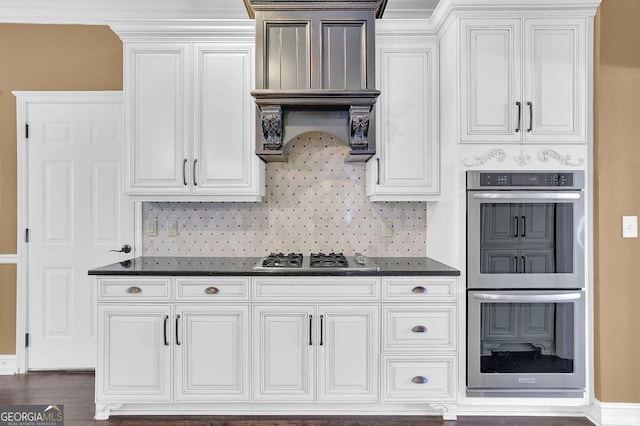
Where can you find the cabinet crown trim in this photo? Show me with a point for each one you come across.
(184, 29)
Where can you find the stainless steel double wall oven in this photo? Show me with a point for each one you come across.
(525, 283)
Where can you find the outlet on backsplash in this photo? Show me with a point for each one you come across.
(151, 228)
(172, 228)
(387, 229)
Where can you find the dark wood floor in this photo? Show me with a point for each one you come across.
(75, 390)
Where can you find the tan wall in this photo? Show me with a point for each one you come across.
(617, 193)
(42, 57)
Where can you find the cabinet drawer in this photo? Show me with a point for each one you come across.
(420, 379)
(134, 289)
(419, 328)
(419, 289)
(212, 289)
(316, 288)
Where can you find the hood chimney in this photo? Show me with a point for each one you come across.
(315, 70)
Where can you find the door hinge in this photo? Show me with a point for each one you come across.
(26, 340)
(26, 235)
(26, 130)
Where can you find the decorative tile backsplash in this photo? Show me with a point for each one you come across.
(314, 202)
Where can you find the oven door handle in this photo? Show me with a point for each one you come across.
(528, 195)
(525, 298)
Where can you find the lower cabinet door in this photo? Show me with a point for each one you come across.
(348, 353)
(134, 353)
(283, 353)
(212, 353)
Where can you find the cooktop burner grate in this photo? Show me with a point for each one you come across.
(331, 260)
(281, 260)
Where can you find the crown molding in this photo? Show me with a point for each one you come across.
(184, 29)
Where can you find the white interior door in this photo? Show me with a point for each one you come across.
(76, 214)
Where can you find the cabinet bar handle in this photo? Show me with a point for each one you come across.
(211, 290)
(134, 290)
(195, 180)
(515, 219)
(321, 321)
(519, 115)
(184, 172)
(419, 329)
(419, 289)
(524, 268)
(420, 380)
(515, 259)
(530, 116)
(378, 171)
(524, 226)
(310, 331)
(177, 323)
(166, 319)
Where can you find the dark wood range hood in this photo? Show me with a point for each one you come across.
(315, 70)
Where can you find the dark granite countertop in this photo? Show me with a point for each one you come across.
(230, 266)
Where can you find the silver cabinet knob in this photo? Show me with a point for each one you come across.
(134, 290)
(211, 290)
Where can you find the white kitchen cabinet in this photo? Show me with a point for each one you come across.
(134, 354)
(407, 161)
(523, 80)
(289, 339)
(283, 353)
(420, 339)
(189, 115)
(348, 353)
(153, 350)
(212, 353)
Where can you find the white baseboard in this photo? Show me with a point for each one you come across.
(8, 365)
(615, 413)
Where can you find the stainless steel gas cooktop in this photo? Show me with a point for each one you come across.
(280, 262)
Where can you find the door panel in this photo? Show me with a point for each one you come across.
(76, 214)
(490, 80)
(212, 360)
(555, 71)
(134, 362)
(283, 353)
(348, 355)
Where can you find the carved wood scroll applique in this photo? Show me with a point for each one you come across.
(359, 118)
(271, 119)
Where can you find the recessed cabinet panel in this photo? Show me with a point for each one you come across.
(133, 361)
(491, 80)
(348, 353)
(343, 58)
(213, 355)
(155, 102)
(556, 79)
(406, 166)
(223, 159)
(287, 62)
(283, 353)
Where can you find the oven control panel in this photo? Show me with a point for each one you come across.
(526, 179)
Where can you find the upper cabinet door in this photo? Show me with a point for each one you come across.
(491, 103)
(406, 167)
(155, 85)
(555, 76)
(523, 80)
(223, 162)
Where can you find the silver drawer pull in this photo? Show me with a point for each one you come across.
(419, 289)
(134, 290)
(212, 290)
(419, 329)
(421, 380)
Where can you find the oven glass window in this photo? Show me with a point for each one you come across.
(527, 338)
(526, 238)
